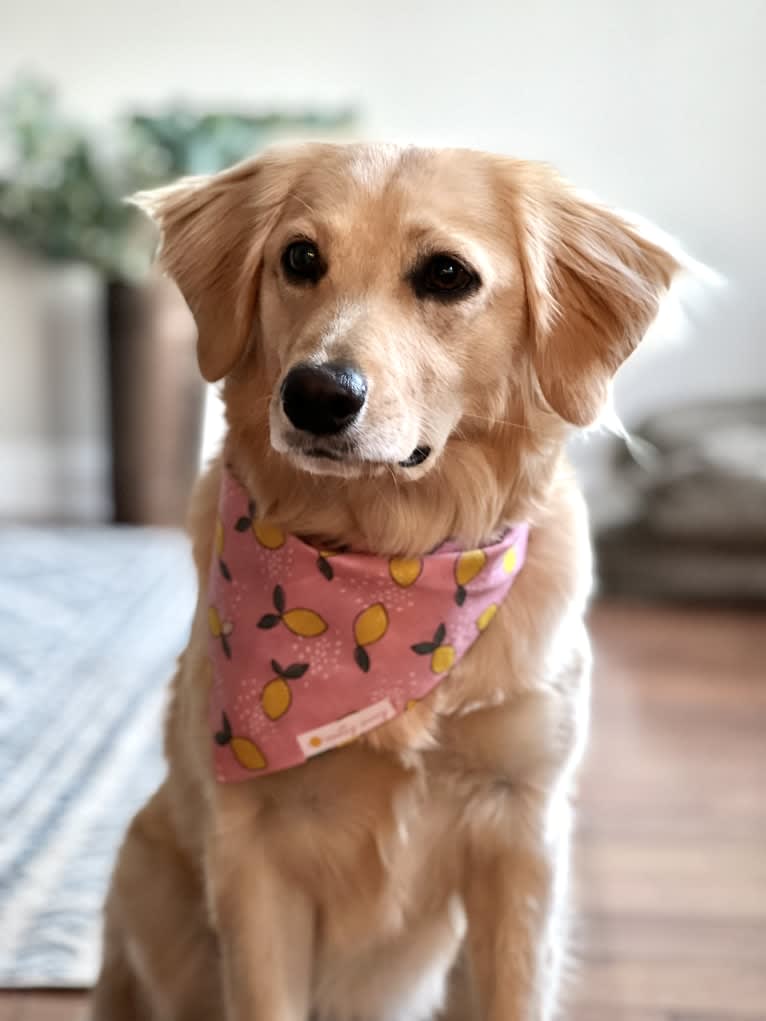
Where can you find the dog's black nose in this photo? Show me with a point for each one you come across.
(323, 399)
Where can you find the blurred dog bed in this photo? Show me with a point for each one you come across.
(92, 620)
(697, 525)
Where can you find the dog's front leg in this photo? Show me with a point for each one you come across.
(513, 892)
(265, 925)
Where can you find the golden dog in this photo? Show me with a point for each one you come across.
(420, 872)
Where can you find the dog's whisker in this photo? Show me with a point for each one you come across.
(500, 421)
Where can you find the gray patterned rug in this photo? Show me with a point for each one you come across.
(90, 623)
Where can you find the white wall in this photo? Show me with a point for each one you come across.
(658, 105)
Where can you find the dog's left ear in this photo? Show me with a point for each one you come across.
(212, 232)
(594, 286)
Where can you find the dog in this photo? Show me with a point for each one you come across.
(406, 339)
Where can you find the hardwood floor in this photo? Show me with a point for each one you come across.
(670, 865)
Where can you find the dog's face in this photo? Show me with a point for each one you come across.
(389, 307)
(381, 303)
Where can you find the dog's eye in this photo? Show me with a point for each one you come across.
(444, 276)
(302, 262)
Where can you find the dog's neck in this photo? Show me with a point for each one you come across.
(471, 495)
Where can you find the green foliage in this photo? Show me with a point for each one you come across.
(62, 183)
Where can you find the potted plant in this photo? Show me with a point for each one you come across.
(62, 191)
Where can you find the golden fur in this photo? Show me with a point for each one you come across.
(421, 872)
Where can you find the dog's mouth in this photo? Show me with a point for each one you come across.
(350, 453)
(418, 456)
(327, 455)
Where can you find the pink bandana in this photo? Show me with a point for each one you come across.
(311, 649)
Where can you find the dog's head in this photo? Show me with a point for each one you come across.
(375, 305)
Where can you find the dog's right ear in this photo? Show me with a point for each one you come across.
(594, 285)
(212, 232)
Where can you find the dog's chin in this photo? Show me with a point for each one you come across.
(345, 466)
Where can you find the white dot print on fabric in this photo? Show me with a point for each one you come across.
(278, 564)
(247, 708)
(360, 591)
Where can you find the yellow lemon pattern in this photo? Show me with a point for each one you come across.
(305, 623)
(442, 656)
(369, 627)
(510, 559)
(269, 536)
(276, 697)
(220, 629)
(486, 617)
(246, 752)
(300, 621)
(405, 571)
(443, 659)
(467, 566)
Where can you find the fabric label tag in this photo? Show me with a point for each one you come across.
(313, 742)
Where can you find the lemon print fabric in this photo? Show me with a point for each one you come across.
(246, 752)
(486, 617)
(276, 697)
(269, 536)
(442, 656)
(220, 629)
(313, 644)
(405, 571)
(369, 627)
(467, 566)
(300, 621)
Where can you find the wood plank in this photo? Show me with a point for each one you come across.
(709, 883)
(731, 990)
(670, 868)
(9, 1006)
(615, 936)
(50, 1006)
(585, 1013)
